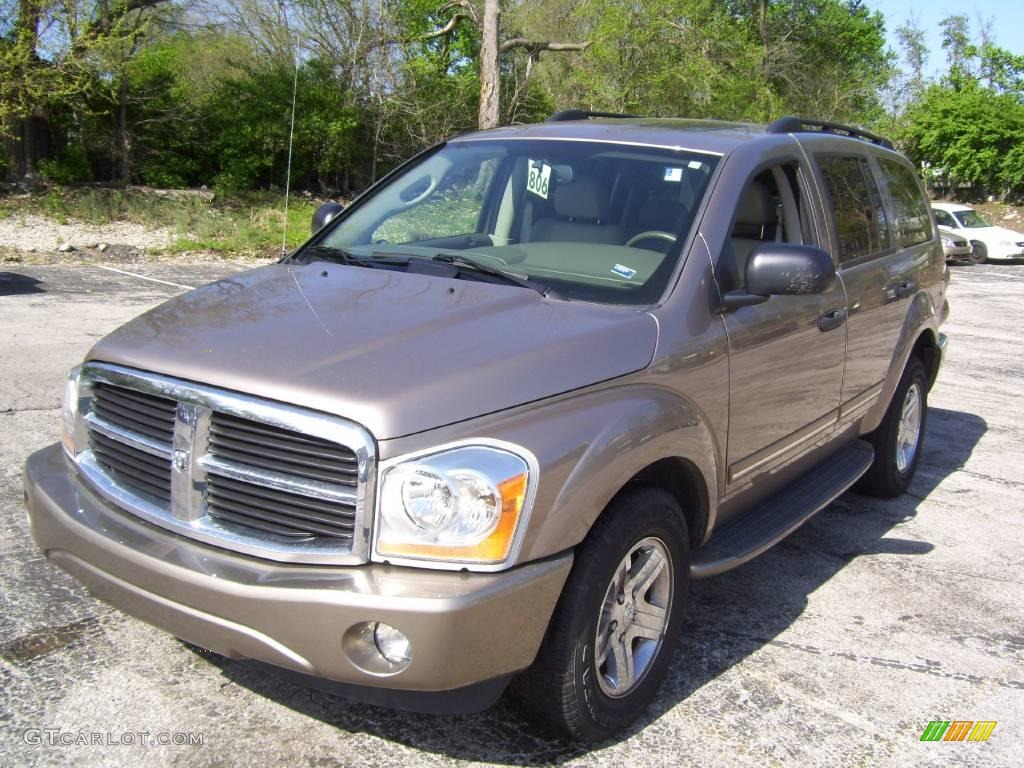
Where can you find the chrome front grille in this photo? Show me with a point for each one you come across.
(278, 512)
(242, 473)
(281, 450)
(137, 411)
(142, 471)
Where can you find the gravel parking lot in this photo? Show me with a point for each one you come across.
(837, 647)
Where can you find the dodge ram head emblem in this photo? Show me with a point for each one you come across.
(180, 460)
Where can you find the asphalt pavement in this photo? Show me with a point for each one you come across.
(835, 648)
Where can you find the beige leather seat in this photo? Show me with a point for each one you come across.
(757, 221)
(581, 211)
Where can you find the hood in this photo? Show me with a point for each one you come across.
(398, 353)
(995, 233)
(1005, 234)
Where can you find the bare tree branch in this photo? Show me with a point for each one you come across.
(453, 22)
(536, 46)
(468, 9)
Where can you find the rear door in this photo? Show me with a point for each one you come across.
(875, 268)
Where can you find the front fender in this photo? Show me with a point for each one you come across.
(588, 446)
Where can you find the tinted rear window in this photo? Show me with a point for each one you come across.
(857, 206)
(909, 207)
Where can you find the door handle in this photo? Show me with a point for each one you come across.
(831, 320)
(901, 290)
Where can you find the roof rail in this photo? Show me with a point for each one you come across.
(580, 114)
(804, 125)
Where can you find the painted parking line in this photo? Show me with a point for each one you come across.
(1000, 274)
(146, 277)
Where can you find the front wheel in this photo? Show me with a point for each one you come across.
(617, 623)
(900, 437)
(980, 253)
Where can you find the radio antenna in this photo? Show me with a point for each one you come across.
(291, 137)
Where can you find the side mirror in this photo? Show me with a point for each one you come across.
(324, 214)
(781, 269)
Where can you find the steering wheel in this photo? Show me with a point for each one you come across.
(651, 234)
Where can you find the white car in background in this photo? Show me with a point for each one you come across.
(990, 242)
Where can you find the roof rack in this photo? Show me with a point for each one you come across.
(805, 125)
(580, 114)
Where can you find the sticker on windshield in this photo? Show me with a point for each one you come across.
(696, 165)
(673, 174)
(622, 271)
(539, 180)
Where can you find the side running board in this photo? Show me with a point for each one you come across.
(747, 536)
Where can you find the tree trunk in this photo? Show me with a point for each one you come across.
(762, 31)
(124, 138)
(490, 75)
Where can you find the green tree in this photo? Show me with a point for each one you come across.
(970, 135)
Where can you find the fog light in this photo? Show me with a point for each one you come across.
(392, 644)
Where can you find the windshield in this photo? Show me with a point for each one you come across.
(971, 219)
(591, 221)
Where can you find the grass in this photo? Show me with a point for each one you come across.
(248, 224)
(247, 227)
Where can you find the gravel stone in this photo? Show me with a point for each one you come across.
(23, 232)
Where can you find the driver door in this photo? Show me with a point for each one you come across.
(786, 354)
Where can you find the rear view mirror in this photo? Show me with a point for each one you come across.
(324, 214)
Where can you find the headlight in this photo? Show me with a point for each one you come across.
(70, 412)
(946, 242)
(461, 505)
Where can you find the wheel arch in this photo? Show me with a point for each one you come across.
(918, 336)
(681, 478)
(927, 348)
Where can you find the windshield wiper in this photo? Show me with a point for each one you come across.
(464, 263)
(331, 253)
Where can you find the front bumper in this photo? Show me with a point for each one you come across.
(1002, 252)
(958, 253)
(465, 629)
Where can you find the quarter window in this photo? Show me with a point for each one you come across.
(912, 223)
(857, 206)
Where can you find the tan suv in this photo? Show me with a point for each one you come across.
(489, 421)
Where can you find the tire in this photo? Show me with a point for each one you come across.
(980, 255)
(567, 688)
(894, 466)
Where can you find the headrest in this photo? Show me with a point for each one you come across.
(660, 213)
(584, 198)
(757, 206)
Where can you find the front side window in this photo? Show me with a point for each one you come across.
(912, 222)
(856, 205)
(944, 218)
(594, 221)
(971, 219)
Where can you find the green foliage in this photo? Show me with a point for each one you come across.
(149, 97)
(248, 118)
(970, 135)
(967, 129)
(70, 166)
(706, 58)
